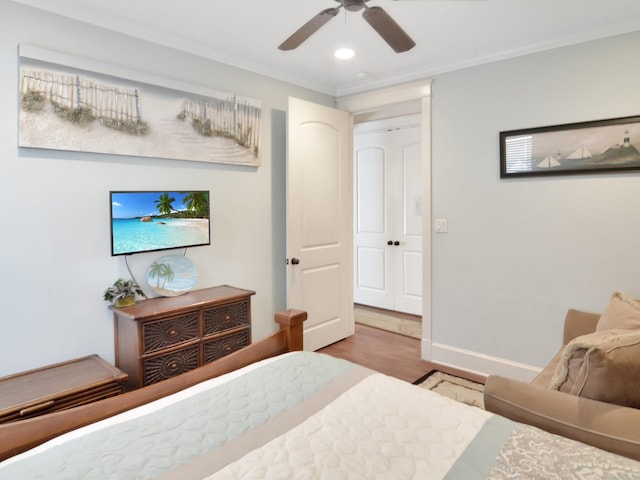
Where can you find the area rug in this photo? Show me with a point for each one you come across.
(457, 388)
(388, 322)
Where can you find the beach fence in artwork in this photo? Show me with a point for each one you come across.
(230, 118)
(80, 100)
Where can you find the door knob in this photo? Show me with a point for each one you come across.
(295, 261)
(389, 242)
(396, 243)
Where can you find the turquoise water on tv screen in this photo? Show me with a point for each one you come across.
(132, 235)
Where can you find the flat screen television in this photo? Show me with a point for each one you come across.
(147, 221)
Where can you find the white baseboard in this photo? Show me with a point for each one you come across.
(476, 362)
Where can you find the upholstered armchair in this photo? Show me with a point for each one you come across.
(590, 391)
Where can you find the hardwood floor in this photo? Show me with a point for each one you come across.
(389, 353)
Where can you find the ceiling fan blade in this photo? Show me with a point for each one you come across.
(308, 29)
(388, 29)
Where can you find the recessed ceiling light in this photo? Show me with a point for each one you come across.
(344, 53)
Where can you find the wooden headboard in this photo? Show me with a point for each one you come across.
(19, 436)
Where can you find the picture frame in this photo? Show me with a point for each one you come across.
(601, 146)
(77, 104)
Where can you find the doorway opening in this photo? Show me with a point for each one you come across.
(388, 224)
(397, 105)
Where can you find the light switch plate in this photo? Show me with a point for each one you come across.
(442, 225)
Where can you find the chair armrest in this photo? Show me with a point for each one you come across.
(578, 323)
(606, 426)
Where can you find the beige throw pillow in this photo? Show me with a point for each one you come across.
(602, 366)
(622, 312)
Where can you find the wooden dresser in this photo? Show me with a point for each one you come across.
(162, 337)
(58, 387)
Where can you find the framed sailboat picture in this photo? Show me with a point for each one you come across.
(600, 146)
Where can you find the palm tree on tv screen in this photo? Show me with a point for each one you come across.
(198, 203)
(164, 204)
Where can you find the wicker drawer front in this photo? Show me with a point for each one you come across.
(169, 365)
(169, 332)
(226, 317)
(220, 347)
(162, 337)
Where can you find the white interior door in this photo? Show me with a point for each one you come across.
(372, 258)
(388, 215)
(408, 262)
(319, 220)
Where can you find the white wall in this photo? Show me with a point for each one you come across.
(519, 252)
(54, 228)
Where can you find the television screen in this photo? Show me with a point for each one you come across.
(158, 220)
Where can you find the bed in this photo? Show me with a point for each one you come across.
(290, 415)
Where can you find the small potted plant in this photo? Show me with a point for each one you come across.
(123, 292)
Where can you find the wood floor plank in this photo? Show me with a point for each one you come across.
(389, 353)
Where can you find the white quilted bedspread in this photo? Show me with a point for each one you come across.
(378, 427)
(311, 416)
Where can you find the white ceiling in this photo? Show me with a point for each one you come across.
(450, 34)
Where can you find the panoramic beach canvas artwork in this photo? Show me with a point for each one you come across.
(66, 107)
(151, 221)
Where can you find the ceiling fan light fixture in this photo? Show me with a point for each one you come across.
(352, 5)
(377, 17)
(344, 53)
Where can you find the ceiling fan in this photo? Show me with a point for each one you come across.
(377, 17)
